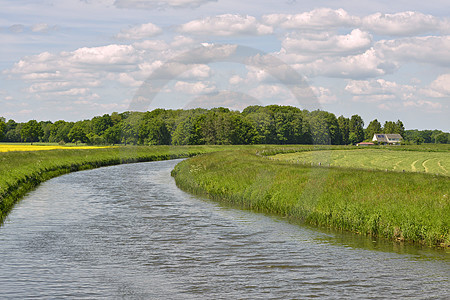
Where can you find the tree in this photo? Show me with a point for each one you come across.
(390, 127)
(100, 124)
(2, 129)
(46, 126)
(344, 128)
(13, 131)
(442, 138)
(31, 131)
(356, 129)
(78, 134)
(374, 127)
(113, 134)
(189, 131)
(400, 128)
(154, 132)
(319, 130)
(59, 131)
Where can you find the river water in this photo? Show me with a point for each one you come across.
(128, 232)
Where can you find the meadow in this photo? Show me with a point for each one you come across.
(21, 171)
(411, 207)
(375, 159)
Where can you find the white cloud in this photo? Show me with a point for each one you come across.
(182, 41)
(41, 27)
(271, 91)
(439, 88)
(402, 23)
(152, 45)
(139, 32)
(235, 79)
(364, 65)
(383, 57)
(327, 43)
(379, 89)
(194, 87)
(111, 55)
(158, 4)
(391, 95)
(324, 95)
(428, 49)
(226, 25)
(424, 104)
(317, 19)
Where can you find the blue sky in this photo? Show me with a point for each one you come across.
(75, 59)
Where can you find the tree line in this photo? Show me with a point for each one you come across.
(273, 124)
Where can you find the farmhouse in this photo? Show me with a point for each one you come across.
(387, 138)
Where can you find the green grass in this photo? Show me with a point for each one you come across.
(401, 206)
(22, 171)
(376, 159)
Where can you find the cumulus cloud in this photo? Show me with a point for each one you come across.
(194, 88)
(152, 45)
(327, 43)
(158, 4)
(364, 65)
(389, 94)
(402, 23)
(139, 32)
(271, 91)
(428, 49)
(226, 25)
(378, 86)
(379, 90)
(317, 19)
(324, 95)
(439, 88)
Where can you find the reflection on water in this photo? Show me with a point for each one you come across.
(128, 232)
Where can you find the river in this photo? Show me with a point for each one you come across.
(128, 232)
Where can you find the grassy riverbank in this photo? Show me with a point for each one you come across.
(401, 206)
(21, 171)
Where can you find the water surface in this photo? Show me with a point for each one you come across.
(128, 232)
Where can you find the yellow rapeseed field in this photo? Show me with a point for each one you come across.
(12, 147)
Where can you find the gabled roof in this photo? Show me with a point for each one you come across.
(391, 136)
(387, 137)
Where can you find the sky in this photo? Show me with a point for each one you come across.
(76, 59)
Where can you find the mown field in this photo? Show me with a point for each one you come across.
(399, 206)
(375, 159)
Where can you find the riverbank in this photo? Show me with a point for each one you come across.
(21, 171)
(399, 206)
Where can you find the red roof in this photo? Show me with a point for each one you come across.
(366, 143)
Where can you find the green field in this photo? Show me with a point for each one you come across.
(398, 206)
(375, 159)
(402, 206)
(21, 171)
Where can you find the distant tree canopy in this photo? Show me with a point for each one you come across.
(273, 124)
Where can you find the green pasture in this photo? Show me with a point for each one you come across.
(399, 206)
(375, 159)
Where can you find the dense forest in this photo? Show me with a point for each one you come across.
(272, 124)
